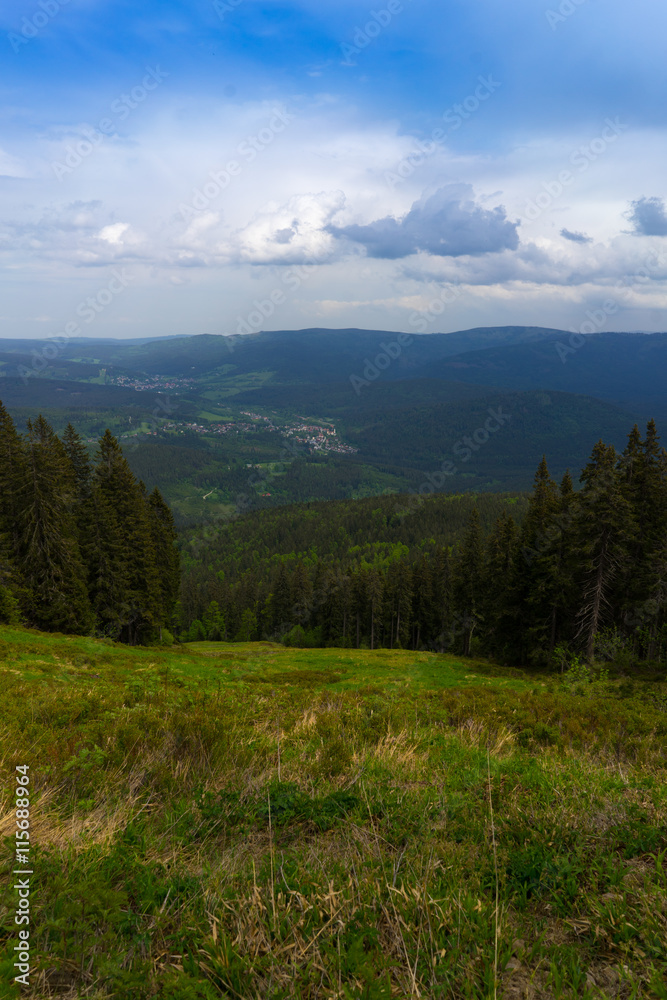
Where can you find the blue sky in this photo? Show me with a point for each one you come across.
(214, 166)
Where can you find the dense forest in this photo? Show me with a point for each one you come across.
(83, 547)
(583, 572)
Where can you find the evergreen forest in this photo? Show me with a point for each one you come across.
(85, 549)
(570, 570)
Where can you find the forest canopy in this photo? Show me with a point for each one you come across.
(83, 547)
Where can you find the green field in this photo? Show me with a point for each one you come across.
(256, 822)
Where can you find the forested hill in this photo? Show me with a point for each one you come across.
(583, 573)
(344, 533)
(83, 547)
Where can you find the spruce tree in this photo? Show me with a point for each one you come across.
(131, 560)
(12, 468)
(467, 584)
(528, 621)
(48, 551)
(643, 581)
(501, 553)
(375, 597)
(281, 602)
(398, 603)
(603, 532)
(81, 472)
(441, 584)
(301, 594)
(166, 557)
(424, 614)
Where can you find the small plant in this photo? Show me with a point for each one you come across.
(561, 658)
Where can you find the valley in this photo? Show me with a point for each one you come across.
(183, 404)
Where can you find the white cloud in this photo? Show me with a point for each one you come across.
(446, 223)
(321, 178)
(114, 233)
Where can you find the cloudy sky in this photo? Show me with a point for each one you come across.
(213, 166)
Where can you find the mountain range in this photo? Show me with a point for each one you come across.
(472, 410)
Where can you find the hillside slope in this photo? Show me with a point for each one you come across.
(249, 821)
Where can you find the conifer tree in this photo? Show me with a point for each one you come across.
(529, 621)
(375, 597)
(48, 550)
(603, 532)
(301, 593)
(166, 557)
(563, 591)
(468, 582)
(501, 552)
(643, 580)
(131, 562)
(423, 615)
(441, 583)
(281, 602)
(213, 622)
(12, 463)
(81, 472)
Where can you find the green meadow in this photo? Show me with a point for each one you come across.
(254, 822)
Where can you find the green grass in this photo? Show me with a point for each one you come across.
(249, 821)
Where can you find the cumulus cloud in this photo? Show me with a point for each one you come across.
(575, 237)
(648, 217)
(447, 223)
(622, 264)
(296, 232)
(114, 233)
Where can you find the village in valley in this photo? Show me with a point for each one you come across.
(311, 436)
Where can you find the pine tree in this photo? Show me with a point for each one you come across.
(565, 553)
(399, 603)
(281, 602)
(424, 614)
(12, 469)
(48, 551)
(643, 585)
(103, 551)
(441, 582)
(501, 552)
(375, 592)
(131, 560)
(529, 618)
(603, 533)
(166, 557)
(214, 623)
(301, 593)
(467, 583)
(81, 472)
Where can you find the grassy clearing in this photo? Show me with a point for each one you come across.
(249, 821)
